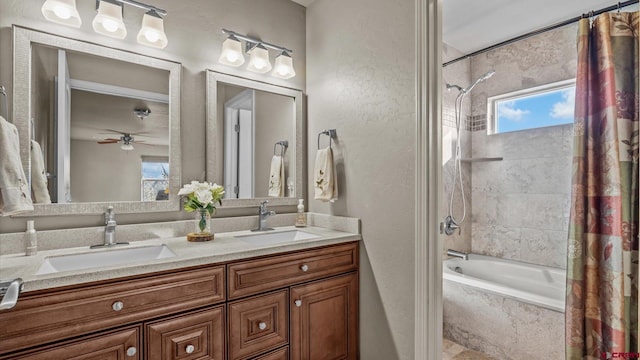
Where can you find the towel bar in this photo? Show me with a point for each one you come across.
(284, 145)
(331, 133)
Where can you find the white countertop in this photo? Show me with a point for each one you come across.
(225, 247)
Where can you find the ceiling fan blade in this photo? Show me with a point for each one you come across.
(108, 141)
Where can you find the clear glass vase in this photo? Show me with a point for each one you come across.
(202, 222)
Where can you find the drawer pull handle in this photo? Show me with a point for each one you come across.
(190, 349)
(304, 268)
(131, 351)
(262, 325)
(298, 303)
(117, 306)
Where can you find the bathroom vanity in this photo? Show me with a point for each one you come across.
(295, 300)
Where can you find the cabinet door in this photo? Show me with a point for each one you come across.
(258, 324)
(119, 345)
(324, 319)
(280, 354)
(198, 335)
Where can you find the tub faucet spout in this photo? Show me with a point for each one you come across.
(458, 254)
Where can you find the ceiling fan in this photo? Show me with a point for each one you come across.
(126, 140)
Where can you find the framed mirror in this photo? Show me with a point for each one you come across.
(255, 141)
(98, 126)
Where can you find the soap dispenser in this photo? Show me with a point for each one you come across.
(301, 219)
(30, 239)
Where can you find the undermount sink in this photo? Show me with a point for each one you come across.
(267, 238)
(88, 260)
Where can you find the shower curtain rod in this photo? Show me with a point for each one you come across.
(545, 29)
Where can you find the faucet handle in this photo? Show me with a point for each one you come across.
(263, 205)
(109, 215)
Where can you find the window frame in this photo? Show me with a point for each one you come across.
(492, 102)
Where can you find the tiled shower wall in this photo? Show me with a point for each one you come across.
(521, 204)
(458, 73)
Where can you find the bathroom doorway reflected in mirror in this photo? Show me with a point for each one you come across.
(254, 124)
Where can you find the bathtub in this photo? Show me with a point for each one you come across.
(533, 284)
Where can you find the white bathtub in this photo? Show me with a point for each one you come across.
(538, 285)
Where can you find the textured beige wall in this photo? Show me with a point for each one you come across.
(360, 81)
(193, 28)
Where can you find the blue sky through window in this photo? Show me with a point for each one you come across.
(554, 107)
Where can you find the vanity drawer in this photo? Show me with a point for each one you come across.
(259, 275)
(258, 324)
(198, 335)
(280, 354)
(54, 316)
(119, 345)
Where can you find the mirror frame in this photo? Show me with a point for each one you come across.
(214, 148)
(23, 39)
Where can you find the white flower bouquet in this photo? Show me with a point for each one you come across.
(202, 197)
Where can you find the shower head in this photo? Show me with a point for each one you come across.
(481, 79)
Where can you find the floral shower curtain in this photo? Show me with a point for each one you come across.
(602, 267)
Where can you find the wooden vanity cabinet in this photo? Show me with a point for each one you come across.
(291, 306)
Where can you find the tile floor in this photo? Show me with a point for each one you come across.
(453, 351)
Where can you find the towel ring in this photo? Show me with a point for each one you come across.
(284, 145)
(331, 133)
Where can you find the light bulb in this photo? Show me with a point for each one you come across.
(110, 25)
(231, 52)
(152, 31)
(152, 36)
(259, 64)
(62, 12)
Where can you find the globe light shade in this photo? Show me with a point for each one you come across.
(152, 31)
(62, 12)
(109, 21)
(283, 67)
(259, 60)
(126, 147)
(231, 52)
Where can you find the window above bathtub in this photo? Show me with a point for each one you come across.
(532, 108)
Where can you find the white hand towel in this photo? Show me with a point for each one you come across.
(14, 189)
(276, 177)
(325, 177)
(38, 175)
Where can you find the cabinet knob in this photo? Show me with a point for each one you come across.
(131, 351)
(190, 349)
(304, 267)
(117, 306)
(298, 303)
(262, 325)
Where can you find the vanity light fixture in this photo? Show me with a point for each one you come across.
(231, 52)
(259, 60)
(109, 20)
(258, 51)
(62, 12)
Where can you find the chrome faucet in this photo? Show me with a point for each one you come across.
(458, 254)
(109, 230)
(263, 214)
